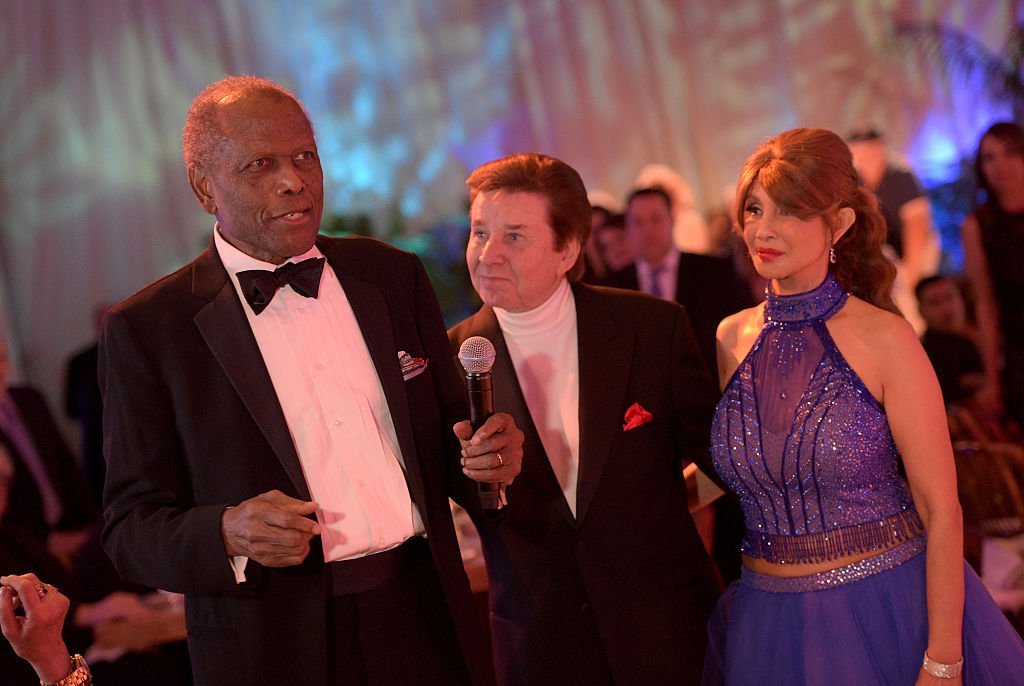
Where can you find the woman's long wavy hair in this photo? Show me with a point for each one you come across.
(809, 173)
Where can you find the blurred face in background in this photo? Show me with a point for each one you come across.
(870, 159)
(649, 228)
(942, 307)
(1002, 166)
(613, 247)
(512, 257)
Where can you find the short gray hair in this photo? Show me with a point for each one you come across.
(203, 135)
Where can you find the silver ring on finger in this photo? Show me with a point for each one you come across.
(501, 462)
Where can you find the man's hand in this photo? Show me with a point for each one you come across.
(271, 529)
(494, 454)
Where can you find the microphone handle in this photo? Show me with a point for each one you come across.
(481, 406)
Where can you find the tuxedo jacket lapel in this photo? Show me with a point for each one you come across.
(605, 356)
(508, 397)
(224, 327)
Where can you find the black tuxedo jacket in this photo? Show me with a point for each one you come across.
(626, 584)
(25, 507)
(707, 287)
(192, 425)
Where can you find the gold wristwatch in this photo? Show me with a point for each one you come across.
(78, 676)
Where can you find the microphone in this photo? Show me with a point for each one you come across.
(476, 354)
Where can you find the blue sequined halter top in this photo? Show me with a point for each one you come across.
(805, 446)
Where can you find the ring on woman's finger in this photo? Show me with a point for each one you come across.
(501, 462)
(42, 589)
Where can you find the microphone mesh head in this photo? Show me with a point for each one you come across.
(476, 355)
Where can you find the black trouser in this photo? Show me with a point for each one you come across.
(398, 631)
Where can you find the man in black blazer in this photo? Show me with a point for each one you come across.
(234, 395)
(706, 286)
(596, 572)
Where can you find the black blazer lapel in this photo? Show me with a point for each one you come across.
(508, 397)
(605, 357)
(223, 325)
(373, 316)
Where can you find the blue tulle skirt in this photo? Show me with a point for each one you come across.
(863, 624)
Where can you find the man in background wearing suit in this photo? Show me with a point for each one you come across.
(278, 425)
(48, 496)
(596, 572)
(706, 286)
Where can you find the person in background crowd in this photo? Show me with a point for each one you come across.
(662, 271)
(907, 213)
(49, 496)
(953, 354)
(83, 403)
(993, 237)
(597, 573)
(612, 243)
(851, 572)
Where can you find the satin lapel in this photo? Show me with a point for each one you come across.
(605, 356)
(374, 318)
(508, 397)
(226, 331)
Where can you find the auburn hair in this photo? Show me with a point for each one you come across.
(809, 173)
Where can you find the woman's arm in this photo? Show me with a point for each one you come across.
(913, 403)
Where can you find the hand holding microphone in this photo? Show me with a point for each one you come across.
(492, 445)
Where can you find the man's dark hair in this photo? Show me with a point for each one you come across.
(531, 172)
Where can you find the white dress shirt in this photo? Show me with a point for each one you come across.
(544, 349)
(335, 409)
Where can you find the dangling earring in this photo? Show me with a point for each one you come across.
(832, 255)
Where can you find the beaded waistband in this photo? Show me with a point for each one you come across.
(835, 543)
(847, 574)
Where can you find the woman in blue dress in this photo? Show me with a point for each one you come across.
(853, 573)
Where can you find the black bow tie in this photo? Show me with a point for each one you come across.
(260, 285)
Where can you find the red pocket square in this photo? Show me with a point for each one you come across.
(636, 416)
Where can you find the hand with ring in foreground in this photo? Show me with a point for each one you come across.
(494, 453)
(36, 636)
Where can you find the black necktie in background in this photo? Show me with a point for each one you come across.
(260, 285)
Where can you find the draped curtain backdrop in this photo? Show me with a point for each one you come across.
(407, 96)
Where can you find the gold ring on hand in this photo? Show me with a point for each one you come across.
(43, 589)
(501, 462)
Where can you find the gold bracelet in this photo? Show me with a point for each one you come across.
(940, 670)
(78, 676)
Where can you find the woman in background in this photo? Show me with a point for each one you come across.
(993, 237)
(852, 574)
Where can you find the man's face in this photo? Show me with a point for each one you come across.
(649, 228)
(265, 186)
(942, 307)
(511, 255)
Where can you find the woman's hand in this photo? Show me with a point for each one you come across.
(35, 635)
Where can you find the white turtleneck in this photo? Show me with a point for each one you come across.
(543, 345)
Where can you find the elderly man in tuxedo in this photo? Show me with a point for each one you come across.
(596, 572)
(278, 424)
